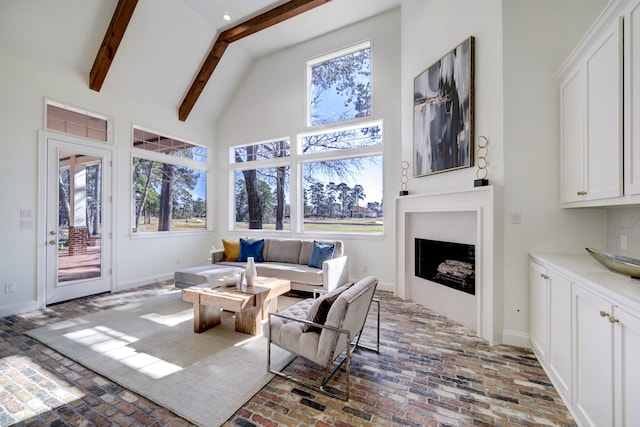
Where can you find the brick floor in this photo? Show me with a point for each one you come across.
(430, 372)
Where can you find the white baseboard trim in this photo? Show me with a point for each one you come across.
(517, 339)
(123, 286)
(18, 307)
(386, 286)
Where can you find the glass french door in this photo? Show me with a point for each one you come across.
(78, 220)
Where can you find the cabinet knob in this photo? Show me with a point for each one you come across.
(613, 319)
(581, 193)
(604, 314)
(544, 276)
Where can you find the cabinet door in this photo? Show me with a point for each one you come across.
(604, 115)
(593, 358)
(632, 98)
(560, 333)
(627, 371)
(572, 156)
(538, 309)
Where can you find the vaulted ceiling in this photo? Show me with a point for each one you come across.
(166, 42)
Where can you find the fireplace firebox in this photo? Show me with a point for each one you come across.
(447, 263)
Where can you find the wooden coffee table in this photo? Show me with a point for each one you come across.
(251, 305)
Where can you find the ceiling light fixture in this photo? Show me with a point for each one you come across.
(226, 17)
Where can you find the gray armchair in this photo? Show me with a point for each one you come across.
(302, 330)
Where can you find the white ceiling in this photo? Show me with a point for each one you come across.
(167, 40)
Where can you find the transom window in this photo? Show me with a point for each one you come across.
(152, 141)
(78, 122)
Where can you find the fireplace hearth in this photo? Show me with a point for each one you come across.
(447, 263)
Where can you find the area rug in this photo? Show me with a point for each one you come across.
(150, 348)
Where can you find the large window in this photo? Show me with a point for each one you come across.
(169, 183)
(337, 182)
(339, 86)
(331, 180)
(342, 180)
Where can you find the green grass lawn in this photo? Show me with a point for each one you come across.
(341, 225)
(176, 224)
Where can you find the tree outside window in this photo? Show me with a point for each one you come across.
(262, 194)
(344, 195)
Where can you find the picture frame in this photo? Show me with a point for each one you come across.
(443, 100)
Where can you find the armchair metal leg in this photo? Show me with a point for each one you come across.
(377, 347)
(321, 388)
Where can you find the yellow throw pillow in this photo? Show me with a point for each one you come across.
(231, 250)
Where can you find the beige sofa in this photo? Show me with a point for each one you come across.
(289, 259)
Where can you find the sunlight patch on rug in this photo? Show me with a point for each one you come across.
(115, 345)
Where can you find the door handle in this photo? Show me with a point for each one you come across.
(52, 242)
(52, 232)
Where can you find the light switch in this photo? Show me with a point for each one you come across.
(516, 217)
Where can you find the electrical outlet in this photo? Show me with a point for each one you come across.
(177, 261)
(9, 287)
(623, 242)
(364, 268)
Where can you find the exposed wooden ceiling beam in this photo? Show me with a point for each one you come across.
(202, 78)
(244, 29)
(270, 18)
(112, 38)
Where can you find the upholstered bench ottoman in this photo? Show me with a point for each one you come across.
(196, 276)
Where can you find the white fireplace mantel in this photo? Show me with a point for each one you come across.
(482, 205)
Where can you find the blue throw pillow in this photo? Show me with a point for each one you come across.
(320, 253)
(251, 249)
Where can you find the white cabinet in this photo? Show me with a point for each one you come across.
(560, 333)
(593, 363)
(632, 98)
(539, 316)
(607, 342)
(585, 331)
(627, 372)
(572, 148)
(550, 324)
(591, 120)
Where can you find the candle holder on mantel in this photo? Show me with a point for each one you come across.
(482, 172)
(404, 178)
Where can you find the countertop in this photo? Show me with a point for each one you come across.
(586, 270)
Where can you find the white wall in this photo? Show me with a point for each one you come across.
(271, 104)
(537, 37)
(430, 29)
(26, 81)
(519, 46)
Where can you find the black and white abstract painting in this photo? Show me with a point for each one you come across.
(443, 113)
